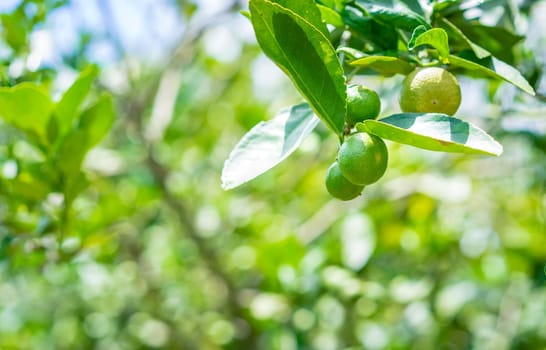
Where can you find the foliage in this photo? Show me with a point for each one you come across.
(295, 41)
(115, 232)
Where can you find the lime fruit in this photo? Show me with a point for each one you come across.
(363, 158)
(338, 186)
(430, 90)
(362, 104)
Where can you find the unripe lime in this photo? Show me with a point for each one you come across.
(362, 104)
(338, 186)
(363, 158)
(430, 90)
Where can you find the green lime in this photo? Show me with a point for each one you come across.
(362, 104)
(363, 158)
(430, 90)
(338, 186)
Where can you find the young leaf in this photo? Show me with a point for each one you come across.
(385, 65)
(27, 107)
(416, 33)
(495, 68)
(306, 56)
(437, 38)
(433, 131)
(67, 108)
(267, 144)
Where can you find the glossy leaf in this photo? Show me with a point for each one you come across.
(350, 53)
(477, 49)
(267, 144)
(402, 19)
(495, 68)
(305, 9)
(437, 38)
(67, 108)
(27, 107)
(385, 65)
(330, 16)
(497, 40)
(416, 33)
(383, 37)
(433, 131)
(414, 6)
(306, 56)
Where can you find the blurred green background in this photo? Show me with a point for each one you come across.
(445, 252)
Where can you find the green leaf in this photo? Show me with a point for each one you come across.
(245, 13)
(495, 68)
(73, 186)
(306, 9)
(94, 124)
(414, 6)
(97, 120)
(437, 38)
(306, 56)
(381, 37)
(385, 65)
(350, 53)
(14, 30)
(330, 16)
(478, 50)
(497, 40)
(397, 18)
(433, 131)
(27, 107)
(416, 33)
(267, 144)
(71, 152)
(66, 110)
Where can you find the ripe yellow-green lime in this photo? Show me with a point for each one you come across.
(430, 90)
(362, 104)
(338, 186)
(363, 158)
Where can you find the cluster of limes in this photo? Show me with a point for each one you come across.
(362, 158)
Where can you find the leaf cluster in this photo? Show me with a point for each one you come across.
(48, 141)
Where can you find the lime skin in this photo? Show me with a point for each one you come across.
(338, 186)
(363, 158)
(430, 90)
(362, 103)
